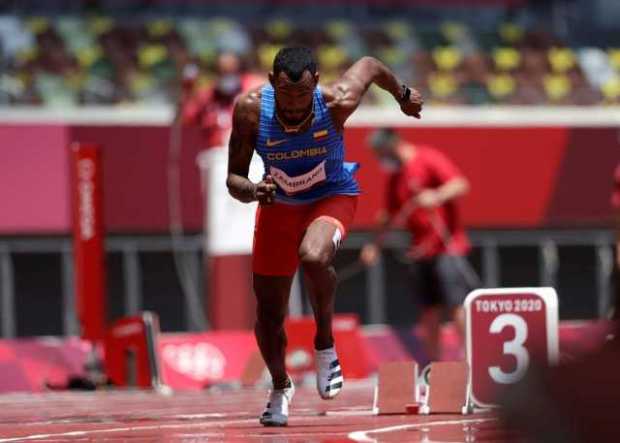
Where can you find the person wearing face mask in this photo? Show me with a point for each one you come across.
(211, 108)
(422, 192)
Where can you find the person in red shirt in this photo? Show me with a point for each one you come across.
(422, 190)
(211, 108)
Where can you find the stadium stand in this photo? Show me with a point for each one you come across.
(99, 56)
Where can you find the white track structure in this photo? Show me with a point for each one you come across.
(432, 116)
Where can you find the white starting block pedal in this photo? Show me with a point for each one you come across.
(396, 390)
(449, 389)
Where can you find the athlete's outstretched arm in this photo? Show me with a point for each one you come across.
(346, 93)
(240, 150)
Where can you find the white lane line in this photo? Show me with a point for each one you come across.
(128, 429)
(363, 436)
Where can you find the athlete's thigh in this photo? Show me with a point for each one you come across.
(277, 235)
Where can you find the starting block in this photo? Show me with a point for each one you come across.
(131, 353)
(396, 390)
(449, 389)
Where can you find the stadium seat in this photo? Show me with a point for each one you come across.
(557, 87)
(562, 59)
(506, 59)
(447, 58)
(501, 86)
(442, 84)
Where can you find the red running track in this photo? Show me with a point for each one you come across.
(225, 415)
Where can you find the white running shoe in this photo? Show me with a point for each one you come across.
(276, 411)
(329, 379)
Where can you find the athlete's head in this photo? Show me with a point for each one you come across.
(294, 78)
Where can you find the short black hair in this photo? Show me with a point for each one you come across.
(294, 61)
(382, 137)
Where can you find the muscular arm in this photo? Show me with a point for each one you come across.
(241, 148)
(344, 96)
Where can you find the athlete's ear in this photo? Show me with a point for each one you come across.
(272, 79)
(316, 78)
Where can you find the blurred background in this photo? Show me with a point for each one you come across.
(522, 95)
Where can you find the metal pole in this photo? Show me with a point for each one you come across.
(549, 262)
(69, 316)
(7, 292)
(490, 264)
(133, 279)
(375, 293)
(195, 317)
(604, 269)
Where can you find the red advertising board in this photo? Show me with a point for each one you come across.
(506, 330)
(88, 237)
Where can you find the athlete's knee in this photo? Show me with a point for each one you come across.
(313, 257)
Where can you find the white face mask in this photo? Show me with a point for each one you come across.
(389, 164)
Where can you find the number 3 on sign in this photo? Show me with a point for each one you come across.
(514, 347)
(505, 329)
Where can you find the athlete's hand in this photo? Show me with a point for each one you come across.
(369, 254)
(265, 191)
(413, 106)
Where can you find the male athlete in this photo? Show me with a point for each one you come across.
(307, 199)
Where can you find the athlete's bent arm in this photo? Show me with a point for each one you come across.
(345, 94)
(240, 150)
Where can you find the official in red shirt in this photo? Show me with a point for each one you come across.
(422, 191)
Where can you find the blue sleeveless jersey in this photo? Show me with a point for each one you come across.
(306, 166)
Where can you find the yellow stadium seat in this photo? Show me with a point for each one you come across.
(614, 58)
(557, 86)
(266, 54)
(100, 25)
(279, 29)
(562, 59)
(393, 56)
(447, 58)
(38, 25)
(88, 56)
(398, 30)
(511, 33)
(501, 85)
(159, 28)
(442, 84)
(331, 57)
(453, 31)
(506, 58)
(337, 29)
(611, 89)
(150, 55)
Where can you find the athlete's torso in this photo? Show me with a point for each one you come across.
(307, 166)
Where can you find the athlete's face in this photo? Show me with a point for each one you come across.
(294, 99)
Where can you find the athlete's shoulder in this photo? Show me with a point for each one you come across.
(247, 106)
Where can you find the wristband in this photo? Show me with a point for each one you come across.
(405, 94)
